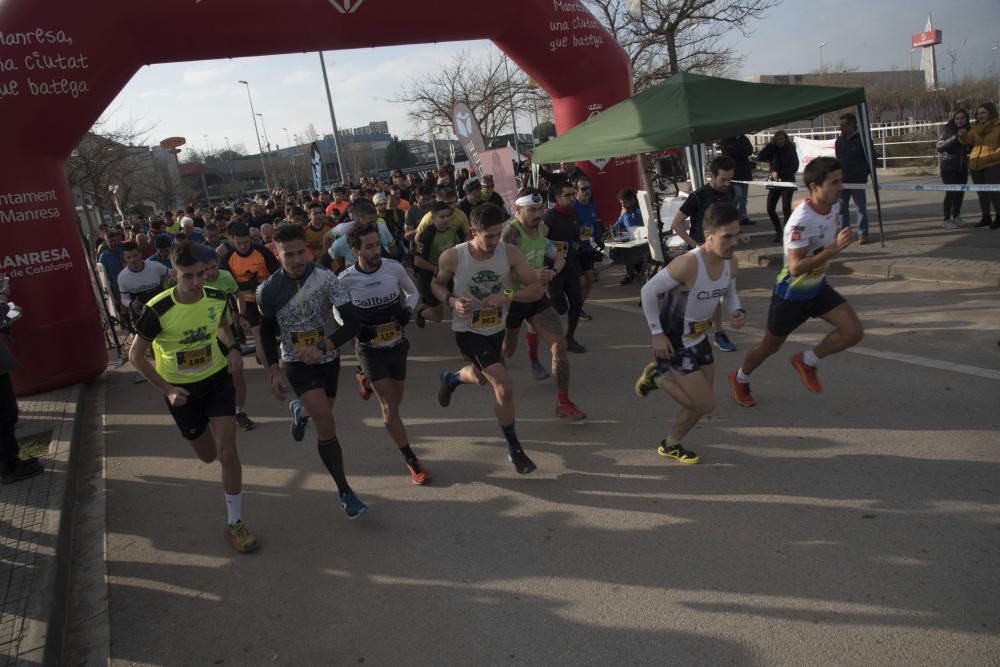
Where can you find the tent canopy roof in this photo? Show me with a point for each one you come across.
(689, 109)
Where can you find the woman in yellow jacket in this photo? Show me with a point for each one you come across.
(984, 161)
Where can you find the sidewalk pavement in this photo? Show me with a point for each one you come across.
(30, 524)
(916, 247)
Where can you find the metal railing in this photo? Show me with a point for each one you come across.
(880, 132)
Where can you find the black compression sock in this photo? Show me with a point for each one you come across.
(508, 432)
(408, 453)
(333, 459)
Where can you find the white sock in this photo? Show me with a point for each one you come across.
(810, 358)
(742, 377)
(234, 507)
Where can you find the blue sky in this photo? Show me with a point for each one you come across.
(202, 101)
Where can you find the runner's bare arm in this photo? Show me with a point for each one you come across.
(511, 236)
(447, 265)
(800, 261)
(531, 289)
(137, 355)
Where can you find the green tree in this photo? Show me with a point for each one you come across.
(398, 155)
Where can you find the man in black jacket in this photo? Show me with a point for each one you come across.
(739, 148)
(851, 154)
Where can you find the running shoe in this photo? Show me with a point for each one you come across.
(539, 371)
(568, 410)
(807, 373)
(352, 505)
(245, 423)
(723, 343)
(647, 381)
(364, 389)
(951, 223)
(240, 538)
(678, 453)
(574, 346)
(741, 391)
(863, 239)
(958, 221)
(446, 389)
(418, 474)
(299, 420)
(521, 462)
(418, 315)
(585, 316)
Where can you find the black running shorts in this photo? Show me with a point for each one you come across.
(587, 257)
(483, 351)
(424, 280)
(687, 360)
(306, 377)
(215, 396)
(380, 363)
(785, 316)
(518, 312)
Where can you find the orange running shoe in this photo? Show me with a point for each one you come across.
(568, 410)
(364, 389)
(418, 473)
(807, 373)
(741, 391)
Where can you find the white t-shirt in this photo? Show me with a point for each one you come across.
(144, 284)
(806, 228)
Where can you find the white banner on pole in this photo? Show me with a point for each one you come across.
(808, 149)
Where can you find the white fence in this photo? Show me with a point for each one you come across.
(881, 132)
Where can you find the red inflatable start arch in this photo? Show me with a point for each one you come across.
(62, 63)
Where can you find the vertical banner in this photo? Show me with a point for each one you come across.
(317, 167)
(468, 133)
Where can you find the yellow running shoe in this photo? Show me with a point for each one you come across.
(647, 381)
(677, 453)
(240, 538)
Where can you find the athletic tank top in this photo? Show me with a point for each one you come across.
(533, 248)
(477, 279)
(687, 316)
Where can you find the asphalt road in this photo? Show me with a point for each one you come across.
(856, 527)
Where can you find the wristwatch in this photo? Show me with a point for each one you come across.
(322, 346)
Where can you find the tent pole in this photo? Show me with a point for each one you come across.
(866, 140)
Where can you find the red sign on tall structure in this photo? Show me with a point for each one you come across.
(929, 38)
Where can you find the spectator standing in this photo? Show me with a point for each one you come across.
(12, 467)
(984, 160)
(953, 157)
(783, 164)
(739, 148)
(851, 154)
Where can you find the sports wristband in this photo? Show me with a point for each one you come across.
(509, 293)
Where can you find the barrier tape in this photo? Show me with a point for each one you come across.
(918, 187)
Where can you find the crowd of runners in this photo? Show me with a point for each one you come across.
(301, 275)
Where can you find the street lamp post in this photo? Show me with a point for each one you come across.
(822, 44)
(291, 157)
(229, 162)
(344, 177)
(253, 117)
(513, 111)
(267, 143)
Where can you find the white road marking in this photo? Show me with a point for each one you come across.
(911, 359)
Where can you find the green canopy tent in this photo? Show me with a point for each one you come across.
(690, 109)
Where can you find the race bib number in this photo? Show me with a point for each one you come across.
(587, 233)
(485, 318)
(247, 296)
(304, 339)
(561, 246)
(387, 333)
(194, 361)
(697, 328)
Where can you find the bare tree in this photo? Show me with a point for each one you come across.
(480, 83)
(664, 37)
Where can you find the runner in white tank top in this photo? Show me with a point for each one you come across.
(483, 270)
(693, 285)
